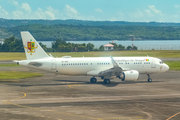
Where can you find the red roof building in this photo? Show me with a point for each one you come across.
(108, 47)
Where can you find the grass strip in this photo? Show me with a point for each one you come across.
(7, 75)
(9, 65)
(151, 53)
(173, 65)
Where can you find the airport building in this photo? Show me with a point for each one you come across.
(108, 47)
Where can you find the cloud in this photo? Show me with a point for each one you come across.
(137, 14)
(177, 6)
(26, 7)
(71, 12)
(14, 2)
(98, 10)
(152, 8)
(148, 13)
(51, 12)
(3, 11)
(18, 14)
(48, 13)
(39, 14)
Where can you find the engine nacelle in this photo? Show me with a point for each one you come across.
(129, 75)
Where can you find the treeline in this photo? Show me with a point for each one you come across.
(11, 45)
(85, 33)
(8, 23)
(15, 45)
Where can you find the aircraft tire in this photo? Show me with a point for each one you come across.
(149, 80)
(93, 80)
(107, 81)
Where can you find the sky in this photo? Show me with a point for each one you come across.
(96, 10)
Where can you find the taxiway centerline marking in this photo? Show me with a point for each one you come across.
(173, 116)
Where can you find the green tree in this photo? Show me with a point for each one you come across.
(43, 46)
(90, 47)
(120, 47)
(0, 46)
(129, 47)
(115, 46)
(82, 48)
(12, 45)
(101, 48)
(135, 48)
(56, 47)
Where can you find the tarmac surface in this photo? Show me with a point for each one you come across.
(58, 97)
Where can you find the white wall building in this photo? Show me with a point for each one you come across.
(108, 47)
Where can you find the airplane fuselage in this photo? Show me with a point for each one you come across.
(82, 65)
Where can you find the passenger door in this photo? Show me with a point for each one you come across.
(153, 65)
(53, 65)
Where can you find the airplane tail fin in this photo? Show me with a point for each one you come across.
(31, 47)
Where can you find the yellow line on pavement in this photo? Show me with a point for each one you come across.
(8, 102)
(70, 114)
(71, 86)
(173, 116)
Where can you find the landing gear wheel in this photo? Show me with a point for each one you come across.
(93, 80)
(107, 81)
(149, 80)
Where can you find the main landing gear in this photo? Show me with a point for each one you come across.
(149, 78)
(107, 81)
(93, 80)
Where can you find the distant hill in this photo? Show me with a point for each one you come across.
(7, 23)
(90, 30)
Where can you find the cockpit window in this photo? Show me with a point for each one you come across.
(160, 62)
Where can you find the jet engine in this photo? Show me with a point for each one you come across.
(129, 75)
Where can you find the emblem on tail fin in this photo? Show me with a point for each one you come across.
(31, 47)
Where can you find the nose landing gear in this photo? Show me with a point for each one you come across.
(149, 78)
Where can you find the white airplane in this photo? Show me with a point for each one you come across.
(124, 68)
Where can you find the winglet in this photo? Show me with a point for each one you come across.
(113, 62)
(115, 65)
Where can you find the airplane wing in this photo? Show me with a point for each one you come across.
(114, 71)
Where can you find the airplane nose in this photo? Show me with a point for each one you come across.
(166, 67)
